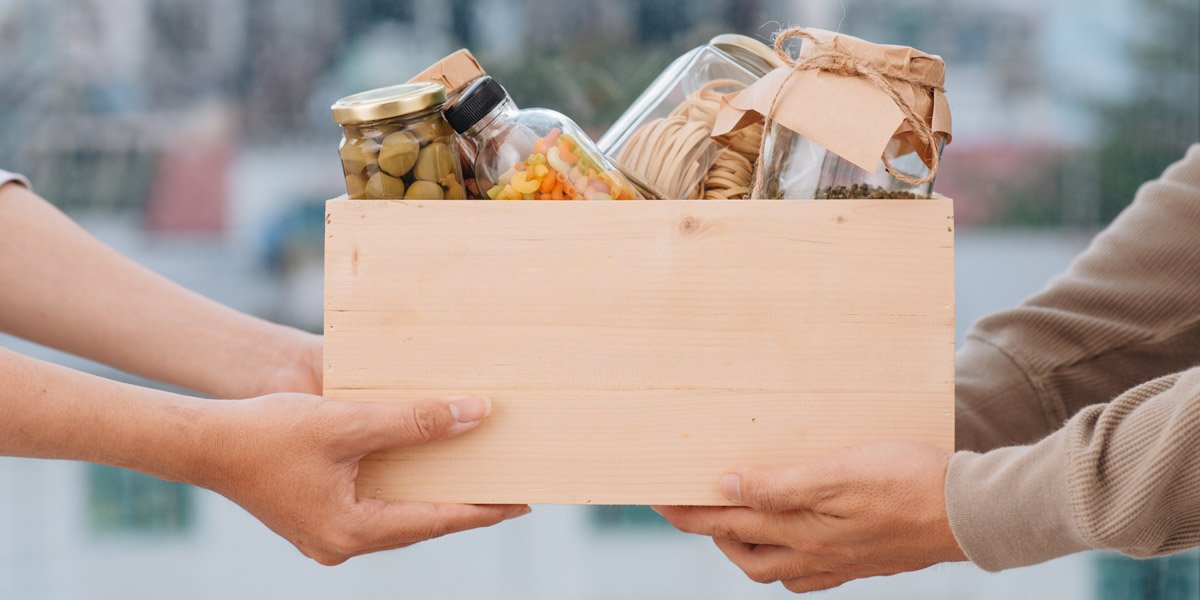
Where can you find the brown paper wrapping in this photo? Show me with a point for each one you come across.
(848, 115)
(453, 71)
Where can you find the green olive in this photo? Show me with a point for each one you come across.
(424, 190)
(355, 186)
(431, 130)
(356, 157)
(399, 153)
(382, 186)
(454, 189)
(437, 161)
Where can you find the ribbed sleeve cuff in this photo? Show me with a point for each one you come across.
(1010, 507)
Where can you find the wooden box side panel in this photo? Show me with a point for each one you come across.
(633, 353)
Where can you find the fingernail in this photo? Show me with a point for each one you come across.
(730, 485)
(468, 409)
(522, 512)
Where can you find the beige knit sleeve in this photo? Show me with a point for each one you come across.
(1123, 475)
(1126, 311)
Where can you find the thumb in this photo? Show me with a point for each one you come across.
(381, 426)
(804, 486)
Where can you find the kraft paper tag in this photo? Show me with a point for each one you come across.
(848, 115)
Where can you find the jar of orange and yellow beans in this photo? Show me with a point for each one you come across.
(533, 153)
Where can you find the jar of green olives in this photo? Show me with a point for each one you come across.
(396, 144)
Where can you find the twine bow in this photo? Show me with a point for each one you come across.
(832, 58)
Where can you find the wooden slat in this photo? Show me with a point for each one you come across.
(635, 351)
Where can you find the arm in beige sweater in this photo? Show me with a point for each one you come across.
(1123, 475)
(1127, 311)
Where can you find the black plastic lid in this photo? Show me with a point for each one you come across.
(474, 103)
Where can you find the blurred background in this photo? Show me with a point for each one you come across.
(195, 136)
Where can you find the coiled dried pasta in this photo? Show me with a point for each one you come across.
(730, 177)
(668, 154)
(678, 155)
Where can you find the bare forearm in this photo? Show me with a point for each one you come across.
(48, 411)
(289, 459)
(65, 289)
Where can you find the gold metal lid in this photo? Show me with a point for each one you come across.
(756, 56)
(388, 102)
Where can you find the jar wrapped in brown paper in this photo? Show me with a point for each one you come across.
(847, 118)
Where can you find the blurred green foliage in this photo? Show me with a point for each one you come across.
(623, 518)
(594, 79)
(122, 502)
(1163, 118)
(1141, 136)
(1175, 577)
(592, 91)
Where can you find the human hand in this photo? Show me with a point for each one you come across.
(291, 460)
(296, 368)
(863, 511)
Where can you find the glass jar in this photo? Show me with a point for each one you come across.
(397, 145)
(456, 72)
(467, 150)
(659, 140)
(802, 168)
(533, 153)
(797, 166)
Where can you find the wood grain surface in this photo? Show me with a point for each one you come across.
(634, 351)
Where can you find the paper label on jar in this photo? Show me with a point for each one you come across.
(847, 114)
(841, 113)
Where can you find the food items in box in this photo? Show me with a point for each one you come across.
(671, 154)
(424, 190)
(886, 143)
(560, 169)
(678, 155)
(861, 190)
(435, 162)
(383, 186)
(397, 145)
(456, 72)
(657, 140)
(399, 153)
(532, 154)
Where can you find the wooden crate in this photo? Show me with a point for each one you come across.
(634, 351)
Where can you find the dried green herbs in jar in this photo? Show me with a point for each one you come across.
(862, 191)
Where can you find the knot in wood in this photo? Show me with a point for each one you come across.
(689, 225)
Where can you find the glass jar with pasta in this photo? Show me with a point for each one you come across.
(664, 140)
(532, 153)
(396, 144)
